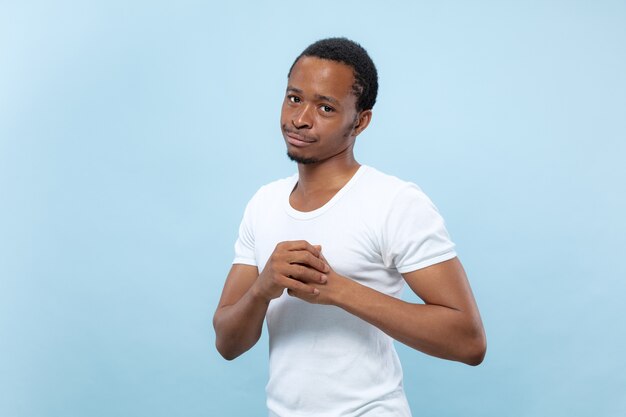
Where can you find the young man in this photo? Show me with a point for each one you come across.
(342, 239)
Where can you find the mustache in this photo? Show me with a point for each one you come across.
(295, 132)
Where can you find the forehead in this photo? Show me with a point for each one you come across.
(322, 77)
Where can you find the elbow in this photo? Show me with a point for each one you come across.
(225, 352)
(475, 350)
(232, 346)
(229, 356)
(224, 348)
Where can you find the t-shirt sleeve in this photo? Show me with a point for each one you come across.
(414, 233)
(244, 246)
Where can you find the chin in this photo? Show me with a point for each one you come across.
(301, 159)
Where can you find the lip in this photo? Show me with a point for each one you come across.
(297, 140)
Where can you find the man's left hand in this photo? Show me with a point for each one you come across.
(330, 292)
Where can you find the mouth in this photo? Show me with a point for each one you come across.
(296, 139)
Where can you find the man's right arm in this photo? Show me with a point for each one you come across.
(238, 320)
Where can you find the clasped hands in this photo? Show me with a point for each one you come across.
(300, 268)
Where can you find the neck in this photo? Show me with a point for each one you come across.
(326, 175)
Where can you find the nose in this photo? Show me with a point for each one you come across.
(303, 118)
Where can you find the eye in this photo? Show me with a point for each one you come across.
(293, 99)
(326, 109)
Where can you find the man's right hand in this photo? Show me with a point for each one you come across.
(291, 266)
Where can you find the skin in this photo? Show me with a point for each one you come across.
(320, 124)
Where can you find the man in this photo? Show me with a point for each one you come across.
(342, 239)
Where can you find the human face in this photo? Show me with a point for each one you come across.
(319, 120)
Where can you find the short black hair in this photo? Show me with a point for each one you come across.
(344, 50)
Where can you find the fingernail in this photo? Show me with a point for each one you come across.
(316, 291)
(323, 278)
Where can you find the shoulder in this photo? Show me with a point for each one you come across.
(273, 190)
(388, 189)
(394, 203)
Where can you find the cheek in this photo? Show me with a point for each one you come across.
(344, 126)
(284, 113)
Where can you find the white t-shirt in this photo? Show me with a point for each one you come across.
(324, 361)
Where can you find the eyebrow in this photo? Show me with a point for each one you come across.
(317, 96)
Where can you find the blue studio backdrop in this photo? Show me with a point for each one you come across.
(132, 134)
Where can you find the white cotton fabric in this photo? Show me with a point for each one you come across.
(325, 362)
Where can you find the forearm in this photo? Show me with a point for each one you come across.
(433, 329)
(238, 326)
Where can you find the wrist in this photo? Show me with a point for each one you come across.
(258, 294)
(343, 292)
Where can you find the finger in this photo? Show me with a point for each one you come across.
(323, 258)
(295, 286)
(298, 245)
(308, 297)
(308, 259)
(305, 274)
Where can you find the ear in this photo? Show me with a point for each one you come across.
(362, 121)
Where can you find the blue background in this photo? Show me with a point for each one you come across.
(133, 133)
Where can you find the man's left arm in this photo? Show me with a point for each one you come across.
(447, 325)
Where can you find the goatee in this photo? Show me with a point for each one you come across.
(301, 160)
